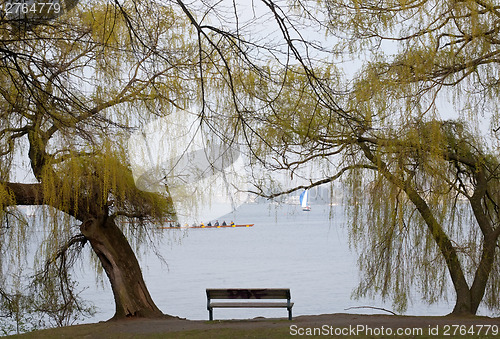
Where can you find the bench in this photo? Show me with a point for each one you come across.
(248, 293)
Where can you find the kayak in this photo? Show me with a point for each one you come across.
(221, 226)
(205, 226)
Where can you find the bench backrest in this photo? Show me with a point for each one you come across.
(248, 293)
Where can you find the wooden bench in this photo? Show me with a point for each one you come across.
(248, 293)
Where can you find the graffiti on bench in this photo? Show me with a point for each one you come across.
(246, 294)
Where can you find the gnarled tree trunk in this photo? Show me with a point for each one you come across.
(131, 295)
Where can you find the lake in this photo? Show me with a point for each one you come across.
(307, 252)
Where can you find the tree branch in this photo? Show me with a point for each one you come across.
(315, 183)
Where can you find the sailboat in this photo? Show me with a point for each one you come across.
(303, 201)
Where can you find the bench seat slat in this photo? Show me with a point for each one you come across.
(249, 304)
(249, 295)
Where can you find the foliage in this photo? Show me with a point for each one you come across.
(17, 313)
(30, 310)
(72, 89)
(405, 126)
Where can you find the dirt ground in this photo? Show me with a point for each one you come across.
(300, 324)
(336, 320)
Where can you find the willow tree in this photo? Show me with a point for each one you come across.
(445, 66)
(430, 208)
(72, 88)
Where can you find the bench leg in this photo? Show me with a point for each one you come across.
(210, 314)
(290, 314)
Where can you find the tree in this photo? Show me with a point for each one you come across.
(444, 50)
(385, 127)
(71, 90)
(439, 169)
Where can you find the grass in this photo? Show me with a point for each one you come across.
(224, 333)
(306, 327)
(103, 331)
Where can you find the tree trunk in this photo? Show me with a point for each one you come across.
(483, 271)
(463, 303)
(131, 295)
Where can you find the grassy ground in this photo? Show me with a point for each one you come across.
(219, 333)
(382, 326)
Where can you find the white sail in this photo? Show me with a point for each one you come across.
(304, 201)
(303, 198)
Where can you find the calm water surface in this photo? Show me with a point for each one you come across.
(307, 252)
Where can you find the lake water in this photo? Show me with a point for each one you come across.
(307, 252)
